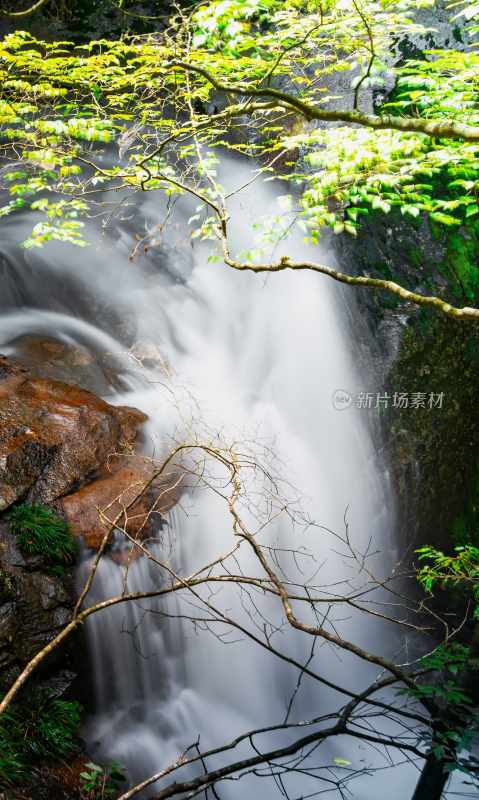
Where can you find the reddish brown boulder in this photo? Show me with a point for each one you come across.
(115, 496)
(123, 496)
(70, 362)
(53, 436)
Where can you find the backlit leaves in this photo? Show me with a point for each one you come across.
(64, 104)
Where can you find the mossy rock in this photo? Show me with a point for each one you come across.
(435, 451)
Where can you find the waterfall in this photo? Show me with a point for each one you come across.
(257, 358)
(137, 672)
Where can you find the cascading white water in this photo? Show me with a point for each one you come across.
(262, 358)
(137, 674)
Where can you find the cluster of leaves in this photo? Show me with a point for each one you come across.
(101, 782)
(223, 24)
(353, 172)
(40, 531)
(38, 728)
(356, 171)
(64, 103)
(460, 570)
(454, 664)
(49, 127)
(469, 11)
(453, 741)
(234, 27)
(450, 661)
(389, 170)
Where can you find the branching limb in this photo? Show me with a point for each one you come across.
(284, 263)
(436, 128)
(268, 757)
(15, 14)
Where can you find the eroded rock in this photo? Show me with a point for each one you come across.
(34, 607)
(73, 363)
(54, 436)
(116, 495)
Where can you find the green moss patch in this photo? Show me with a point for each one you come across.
(42, 532)
(40, 728)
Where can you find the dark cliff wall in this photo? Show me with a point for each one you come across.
(434, 451)
(82, 20)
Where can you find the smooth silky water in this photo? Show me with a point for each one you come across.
(255, 357)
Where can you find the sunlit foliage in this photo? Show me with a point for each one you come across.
(323, 79)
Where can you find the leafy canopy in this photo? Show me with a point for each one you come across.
(324, 79)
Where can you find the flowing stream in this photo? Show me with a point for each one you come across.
(254, 357)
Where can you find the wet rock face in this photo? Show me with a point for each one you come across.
(34, 607)
(62, 446)
(54, 436)
(112, 492)
(433, 453)
(53, 359)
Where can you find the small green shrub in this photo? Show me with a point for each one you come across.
(40, 531)
(101, 782)
(459, 571)
(39, 728)
(12, 768)
(50, 726)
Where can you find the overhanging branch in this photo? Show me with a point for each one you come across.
(428, 301)
(443, 128)
(26, 12)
